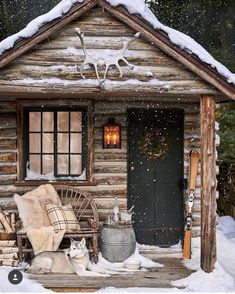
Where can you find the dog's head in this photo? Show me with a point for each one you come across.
(77, 248)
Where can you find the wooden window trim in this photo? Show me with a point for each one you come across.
(21, 104)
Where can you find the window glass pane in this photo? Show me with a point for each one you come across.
(48, 121)
(63, 121)
(35, 121)
(63, 143)
(63, 164)
(34, 143)
(35, 164)
(48, 164)
(75, 164)
(76, 121)
(48, 143)
(76, 143)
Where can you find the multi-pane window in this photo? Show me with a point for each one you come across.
(55, 144)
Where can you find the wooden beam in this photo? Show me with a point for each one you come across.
(208, 183)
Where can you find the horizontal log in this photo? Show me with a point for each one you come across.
(143, 73)
(36, 87)
(4, 170)
(9, 262)
(108, 203)
(110, 179)
(109, 151)
(105, 190)
(7, 179)
(102, 30)
(11, 189)
(9, 256)
(97, 13)
(122, 106)
(7, 107)
(105, 167)
(7, 157)
(135, 57)
(109, 156)
(7, 121)
(98, 42)
(7, 143)
(191, 116)
(109, 193)
(4, 250)
(7, 243)
(8, 133)
(98, 143)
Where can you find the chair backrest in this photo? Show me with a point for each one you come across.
(83, 204)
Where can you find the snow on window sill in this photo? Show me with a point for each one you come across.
(32, 176)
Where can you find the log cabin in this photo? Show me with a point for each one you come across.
(126, 133)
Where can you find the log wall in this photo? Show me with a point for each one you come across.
(50, 67)
(110, 166)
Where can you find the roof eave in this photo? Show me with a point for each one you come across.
(161, 40)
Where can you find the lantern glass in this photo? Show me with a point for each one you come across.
(111, 136)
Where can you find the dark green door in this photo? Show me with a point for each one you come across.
(155, 172)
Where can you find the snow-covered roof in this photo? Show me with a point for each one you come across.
(134, 7)
(34, 26)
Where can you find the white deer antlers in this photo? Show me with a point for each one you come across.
(104, 63)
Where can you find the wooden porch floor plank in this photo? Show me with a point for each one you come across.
(155, 278)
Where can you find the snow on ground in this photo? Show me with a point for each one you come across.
(137, 290)
(25, 286)
(222, 279)
(145, 263)
(134, 7)
(172, 249)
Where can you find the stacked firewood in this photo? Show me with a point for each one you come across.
(8, 247)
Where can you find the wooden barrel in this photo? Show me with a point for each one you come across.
(117, 242)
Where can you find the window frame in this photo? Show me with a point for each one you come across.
(88, 139)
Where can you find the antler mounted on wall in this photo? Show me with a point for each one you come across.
(104, 63)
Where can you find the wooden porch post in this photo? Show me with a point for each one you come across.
(208, 183)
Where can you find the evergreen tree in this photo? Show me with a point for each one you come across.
(226, 118)
(210, 22)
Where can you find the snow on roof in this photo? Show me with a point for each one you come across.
(180, 39)
(34, 26)
(134, 7)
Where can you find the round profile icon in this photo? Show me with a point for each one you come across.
(15, 277)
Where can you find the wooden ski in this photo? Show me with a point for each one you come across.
(194, 160)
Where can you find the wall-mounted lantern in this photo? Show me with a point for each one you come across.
(111, 134)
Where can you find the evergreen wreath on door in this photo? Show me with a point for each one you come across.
(154, 144)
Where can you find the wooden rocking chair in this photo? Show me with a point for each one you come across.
(87, 215)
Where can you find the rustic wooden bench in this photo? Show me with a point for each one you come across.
(86, 212)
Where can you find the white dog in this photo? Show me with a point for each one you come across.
(72, 260)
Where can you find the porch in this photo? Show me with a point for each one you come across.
(173, 269)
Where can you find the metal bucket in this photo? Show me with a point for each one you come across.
(117, 243)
